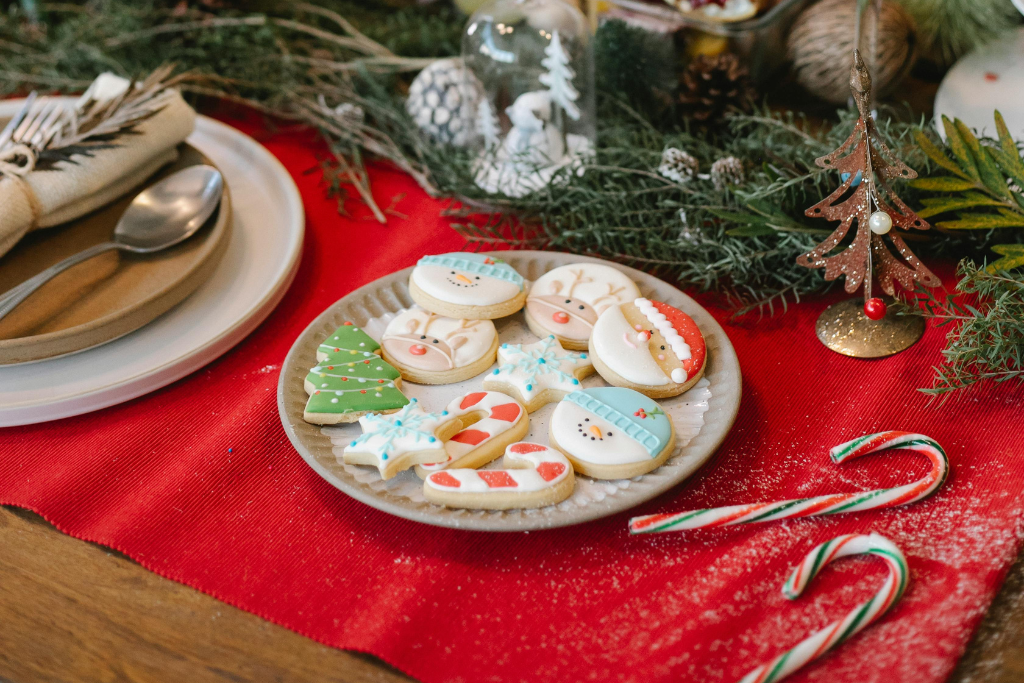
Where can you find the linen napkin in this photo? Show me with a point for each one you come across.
(70, 189)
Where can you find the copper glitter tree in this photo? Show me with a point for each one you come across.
(867, 168)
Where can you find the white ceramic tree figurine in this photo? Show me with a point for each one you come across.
(558, 79)
(487, 124)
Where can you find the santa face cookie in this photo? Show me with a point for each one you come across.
(568, 300)
(396, 442)
(536, 476)
(465, 285)
(350, 380)
(490, 422)
(648, 346)
(537, 374)
(433, 349)
(612, 432)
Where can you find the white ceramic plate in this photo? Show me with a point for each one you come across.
(259, 264)
(702, 416)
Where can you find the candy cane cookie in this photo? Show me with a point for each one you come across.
(491, 421)
(819, 505)
(534, 476)
(859, 618)
(648, 346)
(432, 349)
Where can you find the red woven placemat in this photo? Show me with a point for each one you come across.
(198, 482)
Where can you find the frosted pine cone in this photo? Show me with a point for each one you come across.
(443, 101)
(677, 165)
(727, 171)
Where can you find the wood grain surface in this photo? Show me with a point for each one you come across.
(75, 612)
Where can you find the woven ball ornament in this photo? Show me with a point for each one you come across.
(442, 101)
(822, 41)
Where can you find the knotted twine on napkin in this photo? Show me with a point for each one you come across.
(69, 189)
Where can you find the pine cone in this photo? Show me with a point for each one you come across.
(677, 165)
(712, 86)
(727, 171)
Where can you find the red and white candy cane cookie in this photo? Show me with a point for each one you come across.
(648, 346)
(535, 476)
(491, 421)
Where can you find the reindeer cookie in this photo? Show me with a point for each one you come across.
(431, 349)
(648, 346)
(568, 300)
(464, 285)
(612, 432)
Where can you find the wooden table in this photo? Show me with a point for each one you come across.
(76, 612)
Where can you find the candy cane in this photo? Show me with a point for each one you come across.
(859, 618)
(820, 505)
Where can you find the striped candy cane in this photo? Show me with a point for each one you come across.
(820, 505)
(854, 622)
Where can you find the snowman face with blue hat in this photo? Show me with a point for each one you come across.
(467, 279)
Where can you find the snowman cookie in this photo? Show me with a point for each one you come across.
(568, 300)
(648, 346)
(465, 285)
(535, 476)
(396, 442)
(432, 349)
(539, 373)
(612, 432)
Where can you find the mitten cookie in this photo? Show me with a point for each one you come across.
(537, 374)
(612, 432)
(465, 285)
(567, 301)
(351, 380)
(433, 349)
(396, 442)
(648, 346)
(490, 422)
(536, 476)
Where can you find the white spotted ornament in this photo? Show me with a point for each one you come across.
(443, 100)
(568, 300)
(538, 373)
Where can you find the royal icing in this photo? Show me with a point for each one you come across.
(501, 413)
(351, 377)
(569, 299)
(534, 368)
(610, 426)
(625, 350)
(467, 279)
(426, 341)
(388, 437)
(682, 334)
(531, 467)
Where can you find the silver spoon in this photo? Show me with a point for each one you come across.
(161, 216)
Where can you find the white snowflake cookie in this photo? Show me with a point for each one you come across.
(539, 373)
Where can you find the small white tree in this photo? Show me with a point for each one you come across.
(487, 124)
(559, 77)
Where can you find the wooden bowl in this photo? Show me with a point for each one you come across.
(108, 296)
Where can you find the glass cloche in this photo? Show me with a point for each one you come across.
(533, 65)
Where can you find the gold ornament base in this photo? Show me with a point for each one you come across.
(845, 329)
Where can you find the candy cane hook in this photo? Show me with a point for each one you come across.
(859, 618)
(820, 505)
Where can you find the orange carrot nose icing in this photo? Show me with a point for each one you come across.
(560, 317)
(596, 431)
(462, 278)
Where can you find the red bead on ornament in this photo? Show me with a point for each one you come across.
(875, 308)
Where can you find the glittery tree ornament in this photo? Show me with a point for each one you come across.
(866, 198)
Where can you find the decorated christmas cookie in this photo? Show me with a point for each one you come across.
(538, 373)
(432, 349)
(536, 476)
(490, 422)
(465, 285)
(567, 301)
(612, 432)
(396, 442)
(648, 346)
(351, 380)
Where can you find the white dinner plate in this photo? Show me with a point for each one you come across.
(259, 264)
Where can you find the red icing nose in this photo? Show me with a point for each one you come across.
(561, 317)
(417, 349)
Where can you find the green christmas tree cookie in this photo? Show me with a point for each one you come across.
(351, 379)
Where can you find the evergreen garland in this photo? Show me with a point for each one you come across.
(951, 28)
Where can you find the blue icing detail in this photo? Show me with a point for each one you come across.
(575, 381)
(384, 457)
(444, 412)
(475, 263)
(529, 387)
(496, 371)
(618, 406)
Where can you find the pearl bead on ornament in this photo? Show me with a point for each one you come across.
(880, 222)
